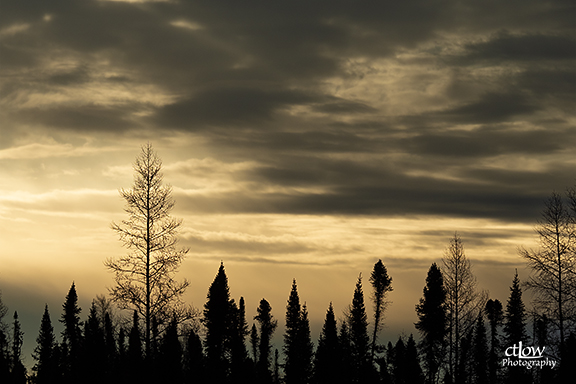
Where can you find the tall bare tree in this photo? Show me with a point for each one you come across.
(145, 277)
(553, 278)
(463, 301)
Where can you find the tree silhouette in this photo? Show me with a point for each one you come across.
(381, 284)
(17, 369)
(170, 355)
(72, 337)
(218, 320)
(134, 359)
(267, 327)
(463, 301)
(432, 319)
(495, 317)
(4, 354)
(515, 328)
(553, 278)
(94, 349)
(194, 368)
(44, 351)
(144, 278)
(362, 369)
(297, 343)
(328, 359)
(480, 352)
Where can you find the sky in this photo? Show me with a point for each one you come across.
(302, 139)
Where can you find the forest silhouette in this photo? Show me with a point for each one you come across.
(144, 332)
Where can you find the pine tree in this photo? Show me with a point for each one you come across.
(345, 343)
(44, 351)
(297, 344)
(111, 353)
(432, 319)
(239, 367)
(361, 364)
(217, 319)
(267, 327)
(382, 284)
(254, 342)
(17, 371)
(72, 336)
(327, 362)
(495, 316)
(414, 373)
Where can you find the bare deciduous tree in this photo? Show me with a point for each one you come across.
(144, 278)
(553, 278)
(463, 301)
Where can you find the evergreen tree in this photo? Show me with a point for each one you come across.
(267, 327)
(345, 343)
(44, 351)
(170, 355)
(327, 361)
(465, 367)
(297, 343)
(361, 364)
(72, 337)
(134, 358)
(194, 369)
(17, 369)
(254, 342)
(217, 319)
(111, 352)
(239, 367)
(4, 353)
(382, 284)
(432, 319)
(495, 316)
(414, 374)
(515, 329)
(94, 349)
(480, 353)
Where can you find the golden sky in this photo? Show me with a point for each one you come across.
(303, 140)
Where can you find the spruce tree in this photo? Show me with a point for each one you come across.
(267, 327)
(135, 360)
(194, 368)
(72, 336)
(345, 343)
(217, 319)
(480, 353)
(94, 349)
(297, 343)
(414, 374)
(17, 369)
(4, 353)
(254, 342)
(515, 329)
(432, 323)
(239, 367)
(361, 363)
(44, 351)
(327, 361)
(495, 316)
(170, 355)
(381, 284)
(111, 352)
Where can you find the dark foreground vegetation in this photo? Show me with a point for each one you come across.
(463, 336)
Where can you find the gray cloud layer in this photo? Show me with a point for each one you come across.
(315, 93)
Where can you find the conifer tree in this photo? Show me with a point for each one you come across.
(239, 369)
(381, 284)
(432, 319)
(515, 329)
(495, 317)
(414, 374)
(170, 355)
(194, 369)
(254, 342)
(44, 351)
(17, 369)
(297, 343)
(72, 336)
(4, 353)
(345, 343)
(94, 349)
(327, 361)
(135, 360)
(111, 352)
(361, 364)
(267, 327)
(480, 353)
(217, 319)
